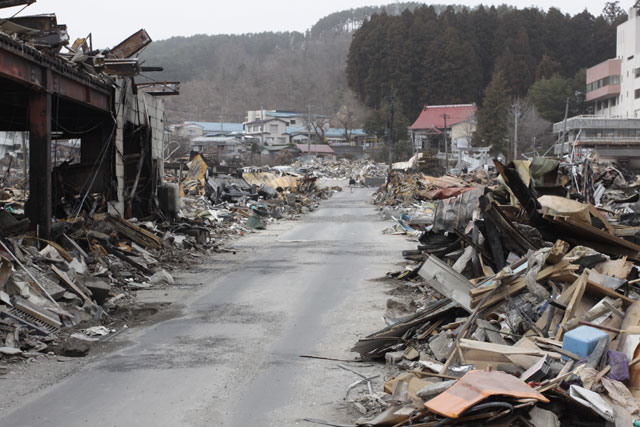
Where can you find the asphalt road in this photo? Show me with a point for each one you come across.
(233, 357)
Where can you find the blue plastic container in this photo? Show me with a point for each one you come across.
(582, 340)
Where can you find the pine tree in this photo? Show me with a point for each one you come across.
(517, 65)
(491, 117)
(547, 68)
(455, 75)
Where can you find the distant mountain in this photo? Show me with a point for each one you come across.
(223, 76)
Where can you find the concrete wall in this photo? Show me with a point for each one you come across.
(463, 130)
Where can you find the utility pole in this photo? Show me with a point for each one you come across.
(516, 109)
(391, 135)
(515, 136)
(261, 128)
(445, 116)
(309, 131)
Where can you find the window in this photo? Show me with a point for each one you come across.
(609, 80)
(637, 72)
(605, 104)
(282, 140)
(273, 128)
(614, 101)
(636, 94)
(598, 106)
(270, 139)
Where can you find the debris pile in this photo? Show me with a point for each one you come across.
(42, 35)
(58, 298)
(528, 309)
(363, 171)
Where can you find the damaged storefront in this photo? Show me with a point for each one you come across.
(88, 98)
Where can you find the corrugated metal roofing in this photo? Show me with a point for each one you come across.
(336, 132)
(296, 129)
(331, 132)
(284, 114)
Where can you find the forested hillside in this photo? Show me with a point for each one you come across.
(490, 56)
(506, 60)
(223, 76)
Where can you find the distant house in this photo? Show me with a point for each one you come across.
(336, 136)
(220, 147)
(298, 133)
(427, 132)
(189, 130)
(292, 118)
(318, 150)
(185, 130)
(217, 128)
(332, 136)
(269, 131)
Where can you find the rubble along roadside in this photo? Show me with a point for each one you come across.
(524, 299)
(61, 297)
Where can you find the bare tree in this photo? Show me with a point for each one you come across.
(612, 11)
(530, 126)
(319, 124)
(351, 115)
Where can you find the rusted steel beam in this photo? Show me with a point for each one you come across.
(78, 92)
(30, 73)
(39, 204)
(132, 44)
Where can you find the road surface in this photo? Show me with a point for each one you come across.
(232, 358)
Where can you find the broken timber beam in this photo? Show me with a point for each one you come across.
(137, 234)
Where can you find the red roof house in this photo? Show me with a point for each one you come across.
(432, 116)
(428, 128)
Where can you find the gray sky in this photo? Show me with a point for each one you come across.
(110, 21)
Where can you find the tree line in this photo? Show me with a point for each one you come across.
(497, 57)
(225, 75)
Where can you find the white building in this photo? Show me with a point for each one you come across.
(613, 86)
(293, 118)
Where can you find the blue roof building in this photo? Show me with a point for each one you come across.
(218, 128)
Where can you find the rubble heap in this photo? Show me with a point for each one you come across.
(363, 170)
(58, 298)
(527, 310)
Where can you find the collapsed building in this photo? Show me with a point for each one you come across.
(90, 96)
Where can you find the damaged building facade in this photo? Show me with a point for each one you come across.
(86, 95)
